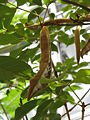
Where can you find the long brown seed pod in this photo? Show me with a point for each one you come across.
(77, 43)
(45, 54)
(86, 48)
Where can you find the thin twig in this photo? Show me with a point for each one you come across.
(76, 103)
(4, 110)
(48, 12)
(87, 104)
(40, 21)
(22, 9)
(45, 14)
(77, 4)
(55, 72)
(75, 93)
(27, 11)
(21, 105)
(26, 117)
(67, 111)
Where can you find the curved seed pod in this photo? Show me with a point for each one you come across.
(44, 60)
(86, 48)
(77, 43)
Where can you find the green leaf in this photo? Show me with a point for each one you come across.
(83, 76)
(85, 80)
(54, 47)
(67, 66)
(58, 67)
(14, 47)
(11, 102)
(46, 2)
(69, 61)
(65, 38)
(9, 38)
(82, 31)
(82, 44)
(28, 53)
(24, 93)
(3, 1)
(86, 36)
(44, 80)
(45, 91)
(83, 72)
(66, 8)
(86, 3)
(36, 2)
(36, 58)
(31, 16)
(15, 53)
(19, 29)
(44, 106)
(32, 35)
(64, 96)
(74, 87)
(24, 109)
(68, 28)
(52, 16)
(60, 1)
(21, 2)
(37, 10)
(6, 15)
(54, 116)
(69, 98)
(11, 67)
(82, 64)
(56, 104)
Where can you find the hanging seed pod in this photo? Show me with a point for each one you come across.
(45, 55)
(77, 43)
(86, 48)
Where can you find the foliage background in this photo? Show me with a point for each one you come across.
(17, 58)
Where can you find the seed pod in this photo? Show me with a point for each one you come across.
(45, 46)
(86, 48)
(45, 53)
(77, 43)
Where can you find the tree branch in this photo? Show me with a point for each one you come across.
(67, 111)
(77, 103)
(87, 104)
(77, 4)
(60, 22)
(83, 110)
(75, 94)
